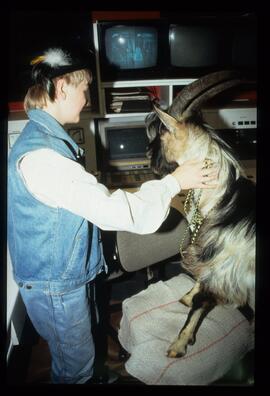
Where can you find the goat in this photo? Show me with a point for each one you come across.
(221, 255)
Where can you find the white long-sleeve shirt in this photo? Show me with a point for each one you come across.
(60, 182)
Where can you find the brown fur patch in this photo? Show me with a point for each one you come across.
(174, 144)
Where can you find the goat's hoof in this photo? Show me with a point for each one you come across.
(176, 351)
(173, 354)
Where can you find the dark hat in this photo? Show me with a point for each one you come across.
(56, 62)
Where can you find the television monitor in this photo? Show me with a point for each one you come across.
(197, 48)
(200, 45)
(123, 145)
(132, 50)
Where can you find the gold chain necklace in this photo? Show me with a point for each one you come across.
(197, 218)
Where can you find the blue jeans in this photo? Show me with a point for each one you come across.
(64, 321)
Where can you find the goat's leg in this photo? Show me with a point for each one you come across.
(187, 298)
(201, 305)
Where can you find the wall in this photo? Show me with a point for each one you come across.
(124, 15)
(15, 313)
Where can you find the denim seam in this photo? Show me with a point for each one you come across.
(58, 344)
(54, 242)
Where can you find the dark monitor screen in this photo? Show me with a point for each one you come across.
(126, 143)
(244, 47)
(194, 46)
(131, 47)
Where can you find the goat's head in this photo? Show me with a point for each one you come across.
(169, 132)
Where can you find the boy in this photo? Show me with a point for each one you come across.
(55, 210)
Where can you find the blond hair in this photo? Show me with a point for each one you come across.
(38, 94)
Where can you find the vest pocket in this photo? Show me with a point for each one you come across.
(76, 265)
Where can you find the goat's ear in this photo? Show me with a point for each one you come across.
(170, 122)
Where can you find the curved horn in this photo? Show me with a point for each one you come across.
(193, 90)
(196, 104)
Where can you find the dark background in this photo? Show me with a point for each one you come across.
(31, 32)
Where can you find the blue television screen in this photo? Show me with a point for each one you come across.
(131, 47)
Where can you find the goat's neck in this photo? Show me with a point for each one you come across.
(209, 198)
(209, 149)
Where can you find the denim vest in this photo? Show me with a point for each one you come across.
(50, 248)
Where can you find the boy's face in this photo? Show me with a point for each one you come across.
(75, 100)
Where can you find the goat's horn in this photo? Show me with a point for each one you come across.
(196, 104)
(193, 90)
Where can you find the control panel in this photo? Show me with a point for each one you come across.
(231, 118)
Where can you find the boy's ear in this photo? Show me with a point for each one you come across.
(60, 91)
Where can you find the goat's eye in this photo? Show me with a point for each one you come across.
(162, 129)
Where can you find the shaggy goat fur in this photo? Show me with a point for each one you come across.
(222, 257)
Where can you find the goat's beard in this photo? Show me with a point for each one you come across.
(159, 164)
